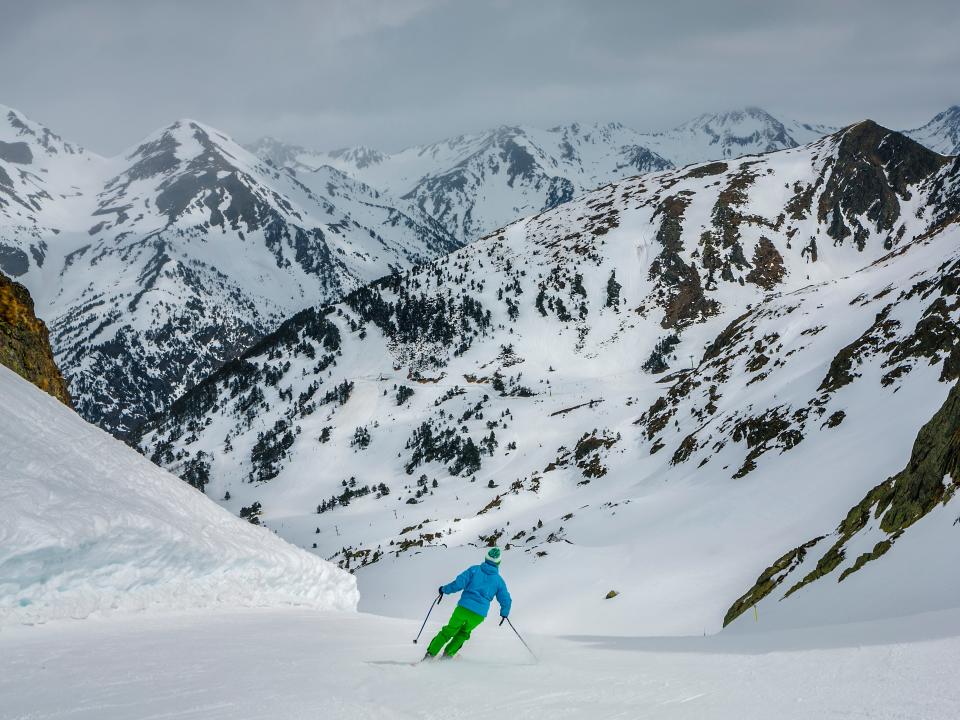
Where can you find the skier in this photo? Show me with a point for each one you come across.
(480, 584)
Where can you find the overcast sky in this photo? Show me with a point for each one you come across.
(391, 73)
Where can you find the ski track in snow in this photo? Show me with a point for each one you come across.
(300, 664)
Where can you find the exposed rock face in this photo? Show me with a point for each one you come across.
(930, 478)
(768, 267)
(769, 579)
(874, 169)
(685, 300)
(24, 341)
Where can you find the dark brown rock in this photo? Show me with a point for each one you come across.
(873, 171)
(25, 342)
(768, 268)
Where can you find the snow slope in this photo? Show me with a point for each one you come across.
(896, 550)
(154, 267)
(92, 528)
(804, 303)
(293, 664)
(942, 133)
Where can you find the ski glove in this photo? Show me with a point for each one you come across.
(440, 590)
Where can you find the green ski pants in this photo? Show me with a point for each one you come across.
(456, 632)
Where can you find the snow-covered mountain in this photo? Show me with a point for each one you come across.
(155, 267)
(47, 188)
(942, 133)
(660, 386)
(732, 134)
(92, 528)
(475, 184)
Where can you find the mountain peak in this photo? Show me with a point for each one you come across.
(732, 133)
(359, 155)
(276, 151)
(15, 127)
(869, 136)
(187, 128)
(185, 141)
(733, 116)
(942, 133)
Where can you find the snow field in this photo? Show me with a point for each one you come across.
(296, 664)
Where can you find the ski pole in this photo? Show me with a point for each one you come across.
(439, 598)
(519, 637)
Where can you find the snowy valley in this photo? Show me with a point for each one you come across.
(716, 402)
(479, 360)
(666, 384)
(188, 612)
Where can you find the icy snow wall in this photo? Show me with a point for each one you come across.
(90, 527)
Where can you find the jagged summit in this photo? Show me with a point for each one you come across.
(733, 117)
(47, 187)
(178, 170)
(278, 152)
(905, 155)
(15, 127)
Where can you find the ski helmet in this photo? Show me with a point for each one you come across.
(494, 555)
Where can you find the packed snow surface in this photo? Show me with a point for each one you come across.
(296, 664)
(90, 527)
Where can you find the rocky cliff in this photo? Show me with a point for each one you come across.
(25, 343)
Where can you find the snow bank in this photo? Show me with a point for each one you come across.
(91, 527)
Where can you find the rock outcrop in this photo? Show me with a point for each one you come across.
(25, 343)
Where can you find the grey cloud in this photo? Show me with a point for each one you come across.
(389, 73)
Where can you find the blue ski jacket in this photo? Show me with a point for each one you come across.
(480, 584)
